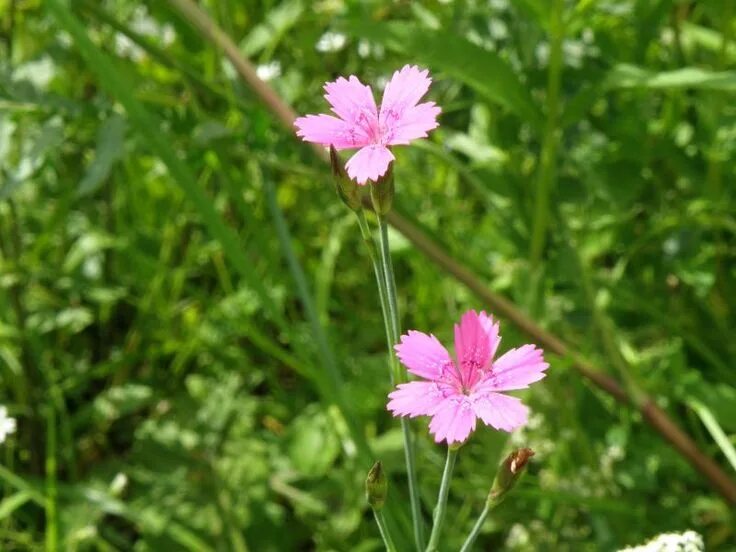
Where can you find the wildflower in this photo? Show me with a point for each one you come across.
(269, 71)
(359, 124)
(7, 424)
(457, 393)
(689, 541)
(331, 42)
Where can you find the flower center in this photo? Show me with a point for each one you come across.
(367, 121)
(388, 124)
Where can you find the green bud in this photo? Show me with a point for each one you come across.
(346, 188)
(508, 474)
(382, 192)
(376, 486)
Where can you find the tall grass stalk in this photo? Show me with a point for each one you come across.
(548, 159)
(50, 502)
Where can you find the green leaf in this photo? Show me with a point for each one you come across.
(122, 400)
(278, 22)
(631, 76)
(313, 446)
(482, 70)
(110, 141)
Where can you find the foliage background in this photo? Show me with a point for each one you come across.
(166, 381)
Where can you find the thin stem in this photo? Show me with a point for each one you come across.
(383, 528)
(388, 270)
(440, 508)
(384, 269)
(476, 528)
(51, 491)
(411, 473)
(547, 168)
(370, 245)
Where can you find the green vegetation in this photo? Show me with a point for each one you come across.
(191, 339)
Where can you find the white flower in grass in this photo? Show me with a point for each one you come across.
(689, 541)
(268, 71)
(331, 42)
(7, 424)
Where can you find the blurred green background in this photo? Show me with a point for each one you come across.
(166, 371)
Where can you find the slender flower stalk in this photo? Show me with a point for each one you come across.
(361, 124)
(468, 544)
(370, 245)
(383, 529)
(388, 269)
(440, 508)
(376, 489)
(507, 476)
(385, 272)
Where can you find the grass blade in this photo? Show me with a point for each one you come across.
(715, 430)
(150, 129)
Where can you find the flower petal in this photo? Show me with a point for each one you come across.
(369, 163)
(516, 369)
(424, 356)
(499, 411)
(472, 348)
(328, 130)
(414, 122)
(353, 102)
(492, 331)
(453, 420)
(402, 92)
(417, 398)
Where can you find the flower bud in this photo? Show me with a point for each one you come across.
(508, 473)
(376, 486)
(382, 192)
(346, 188)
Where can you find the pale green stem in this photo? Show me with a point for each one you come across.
(476, 529)
(381, 281)
(387, 286)
(411, 472)
(388, 272)
(383, 528)
(490, 505)
(440, 508)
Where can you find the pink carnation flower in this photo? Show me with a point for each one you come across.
(457, 393)
(400, 120)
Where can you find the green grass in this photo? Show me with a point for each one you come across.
(190, 334)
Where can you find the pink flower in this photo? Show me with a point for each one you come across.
(360, 125)
(457, 393)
